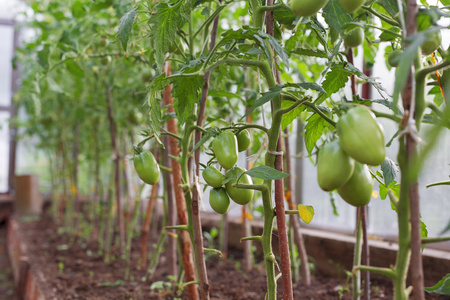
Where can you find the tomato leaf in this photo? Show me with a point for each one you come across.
(306, 213)
(165, 23)
(185, 91)
(442, 287)
(389, 168)
(266, 97)
(307, 86)
(125, 26)
(310, 52)
(390, 6)
(335, 15)
(314, 129)
(266, 173)
(289, 117)
(285, 16)
(334, 81)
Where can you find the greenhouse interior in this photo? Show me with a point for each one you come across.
(220, 149)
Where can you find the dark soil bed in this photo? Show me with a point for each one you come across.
(74, 270)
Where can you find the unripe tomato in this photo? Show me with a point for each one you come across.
(243, 139)
(393, 58)
(354, 38)
(213, 177)
(307, 8)
(225, 149)
(358, 190)
(103, 43)
(361, 136)
(334, 166)
(431, 43)
(240, 196)
(219, 200)
(147, 167)
(105, 60)
(351, 5)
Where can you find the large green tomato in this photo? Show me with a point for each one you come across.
(213, 177)
(431, 43)
(358, 190)
(334, 166)
(240, 196)
(354, 38)
(243, 139)
(361, 136)
(219, 201)
(147, 167)
(351, 5)
(307, 8)
(225, 149)
(393, 58)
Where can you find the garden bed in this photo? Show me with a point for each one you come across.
(61, 269)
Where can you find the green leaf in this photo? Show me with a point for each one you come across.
(99, 5)
(442, 287)
(387, 36)
(389, 168)
(310, 52)
(185, 91)
(266, 173)
(393, 186)
(314, 129)
(285, 16)
(423, 229)
(165, 23)
(266, 97)
(289, 117)
(334, 81)
(306, 213)
(335, 14)
(306, 86)
(43, 56)
(390, 6)
(125, 26)
(74, 68)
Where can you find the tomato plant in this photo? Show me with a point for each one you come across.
(361, 136)
(225, 149)
(238, 195)
(213, 177)
(334, 166)
(147, 167)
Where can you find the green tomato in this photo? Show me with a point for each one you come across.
(240, 196)
(354, 38)
(219, 200)
(213, 177)
(106, 60)
(243, 139)
(307, 8)
(147, 167)
(334, 166)
(361, 136)
(431, 43)
(225, 149)
(103, 42)
(393, 58)
(358, 190)
(351, 5)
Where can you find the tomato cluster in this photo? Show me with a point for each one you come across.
(226, 147)
(342, 163)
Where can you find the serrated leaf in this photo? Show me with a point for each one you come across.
(155, 115)
(307, 86)
(266, 97)
(306, 213)
(389, 169)
(289, 117)
(276, 47)
(334, 81)
(335, 14)
(74, 68)
(391, 6)
(125, 26)
(423, 229)
(185, 93)
(310, 52)
(285, 16)
(266, 173)
(442, 287)
(204, 139)
(314, 129)
(43, 57)
(165, 23)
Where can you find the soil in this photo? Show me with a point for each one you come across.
(75, 269)
(6, 277)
